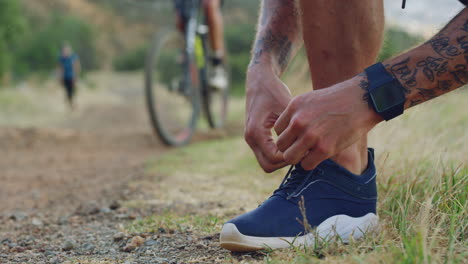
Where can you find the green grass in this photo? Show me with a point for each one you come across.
(422, 182)
(169, 222)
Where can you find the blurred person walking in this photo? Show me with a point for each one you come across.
(69, 70)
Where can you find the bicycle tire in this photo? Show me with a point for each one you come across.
(159, 128)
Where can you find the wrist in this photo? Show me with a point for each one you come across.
(264, 64)
(368, 116)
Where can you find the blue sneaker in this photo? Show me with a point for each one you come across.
(337, 203)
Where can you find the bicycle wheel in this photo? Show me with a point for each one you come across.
(172, 89)
(215, 100)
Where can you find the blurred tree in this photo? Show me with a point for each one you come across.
(396, 41)
(131, 60)
(11, 26)
(40, 51)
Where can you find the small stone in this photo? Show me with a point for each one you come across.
(17, 249)
(68, 245)
(36, 221)
(105, 210)
(119, 236)
(88, 209)
(121, 216)
(63, 220)
(114, 205)
(49, 253)
(135, 242)
(18, 216)
(75, 219)
(5, 241)
(150, 242)
(12, 244)
(88, 247)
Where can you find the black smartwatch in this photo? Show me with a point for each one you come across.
(386, 94)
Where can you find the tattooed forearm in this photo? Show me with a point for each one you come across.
(435, 67)
(278, 34)
(465, 26)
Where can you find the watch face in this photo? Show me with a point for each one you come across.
(387, 96)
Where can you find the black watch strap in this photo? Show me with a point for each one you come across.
(377, 77)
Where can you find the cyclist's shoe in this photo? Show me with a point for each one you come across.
(336, 203)
(219, 78)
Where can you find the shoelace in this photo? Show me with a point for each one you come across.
(294, 180)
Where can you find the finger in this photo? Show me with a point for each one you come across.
(313, 159)
(270, 151)
(294, 154)
(266, 152)
(286, 139)
(283, 121)
(268, 162)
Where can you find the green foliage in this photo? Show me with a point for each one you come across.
(11, 26)
(40, 50)
(131, 60)
(239, 40)
(397, 41)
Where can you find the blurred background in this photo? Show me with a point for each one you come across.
(57, 163)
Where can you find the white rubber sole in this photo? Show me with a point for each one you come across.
(339, 225)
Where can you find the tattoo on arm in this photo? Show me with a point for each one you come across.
(436, 67)
(465, 26)
(277, 34)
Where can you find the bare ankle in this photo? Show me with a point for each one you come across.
(354, 159)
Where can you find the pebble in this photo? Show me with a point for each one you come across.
(63, 220)
(88, 247)
(118, 237)
(135, 242)
(5, 241)
(12, 244)
(68, 245)
(105, 210)
(150, 242)
(49, 253)
(37, 222)
(18, 216)
(114, 205)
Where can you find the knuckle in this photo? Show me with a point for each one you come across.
(310, 136)
(323, 149)
(295, 103)
(289, 158)
(298, 123)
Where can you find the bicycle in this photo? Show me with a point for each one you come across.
(176, 80)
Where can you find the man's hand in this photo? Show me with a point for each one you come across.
(318, 124)
(267, 97)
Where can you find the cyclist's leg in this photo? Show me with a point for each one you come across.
(215, 22)
(342, 39)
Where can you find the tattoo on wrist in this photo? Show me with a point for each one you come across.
(364, 84)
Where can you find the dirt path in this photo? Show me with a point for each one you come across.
(57, 179)
(81, 158)
(65, 183)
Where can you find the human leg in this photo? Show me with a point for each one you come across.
(215, 22)
(341, 39)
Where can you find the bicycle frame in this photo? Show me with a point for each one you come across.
(195, 34)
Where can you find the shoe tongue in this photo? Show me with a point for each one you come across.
(298, 168)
